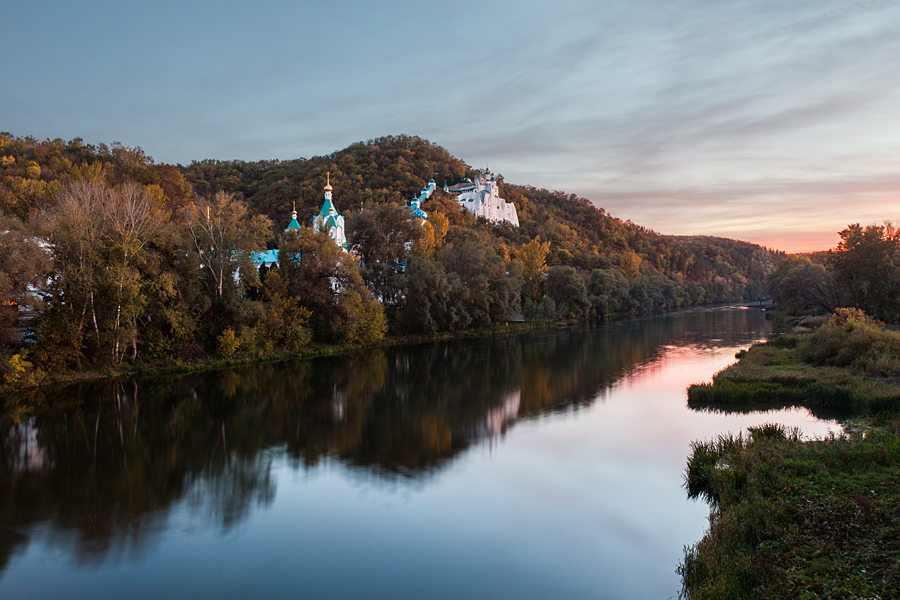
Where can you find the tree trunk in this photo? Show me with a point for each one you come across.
(94, 318)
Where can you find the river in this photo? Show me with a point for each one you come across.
(535, 465)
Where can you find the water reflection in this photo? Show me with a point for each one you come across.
(100, 466)
(823, 413)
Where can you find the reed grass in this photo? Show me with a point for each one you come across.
(852, 365)
(796, 518)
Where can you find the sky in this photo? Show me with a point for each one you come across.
(763, 120)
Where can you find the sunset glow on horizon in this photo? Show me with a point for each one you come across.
(770, 122)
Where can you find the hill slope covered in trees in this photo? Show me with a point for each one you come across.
(394, 169)
(152, 261)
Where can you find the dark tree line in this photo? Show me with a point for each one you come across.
(863, 272)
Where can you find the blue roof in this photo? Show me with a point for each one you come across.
(327, 207)
(293, 225)
(267, 257)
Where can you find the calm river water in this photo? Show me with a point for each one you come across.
(539, 465)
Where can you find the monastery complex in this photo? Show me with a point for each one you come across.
(481, 198)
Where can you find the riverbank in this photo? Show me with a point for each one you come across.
(32, 380)
(212, 363)
(846, 362)
(795, 518)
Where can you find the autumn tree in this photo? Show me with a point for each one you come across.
(223, 235)
(326, 280)
(74, 225)
(24, 269)
(483, 291)
(799, 284)
(434, 230)
(286, 320)
(382, 237)
(132, 219)
(608, 292)
(867, 265)
(568, 291)
(533, 257)
(426, 298)
(99, 236)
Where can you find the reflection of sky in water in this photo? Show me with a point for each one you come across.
(582, 502)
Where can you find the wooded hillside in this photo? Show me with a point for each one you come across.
(145, 260)
(394, 169)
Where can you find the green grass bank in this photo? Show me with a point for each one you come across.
(845, 361)
(797, 518)
(26, 380)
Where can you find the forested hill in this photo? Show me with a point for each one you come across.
(392, 170)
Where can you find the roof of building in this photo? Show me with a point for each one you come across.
(462, 187)
(327, 207)
(267, 257)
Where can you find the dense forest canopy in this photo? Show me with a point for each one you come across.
(146, 261)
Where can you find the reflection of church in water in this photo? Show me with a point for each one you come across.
(498, 418)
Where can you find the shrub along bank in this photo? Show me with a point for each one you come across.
(849, 361)
(21, 381)
(794, 518)
(797, 519)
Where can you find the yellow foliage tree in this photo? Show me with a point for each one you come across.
(631, 264)
(534, 266)
(20, 372)
(434, 231)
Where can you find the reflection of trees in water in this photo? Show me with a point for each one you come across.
(822, 413)
(104, 464)
(228, 493)
(106, 471)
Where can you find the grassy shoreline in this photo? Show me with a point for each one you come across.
(797, 518)
(212, 363)
(794, 518)
(173, 367)
(767, 373)
(848, 363)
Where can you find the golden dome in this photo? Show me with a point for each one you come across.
(328, 182)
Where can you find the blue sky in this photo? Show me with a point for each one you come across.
(770, 121)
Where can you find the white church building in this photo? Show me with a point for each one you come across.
(329, 220)
(482, 199)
